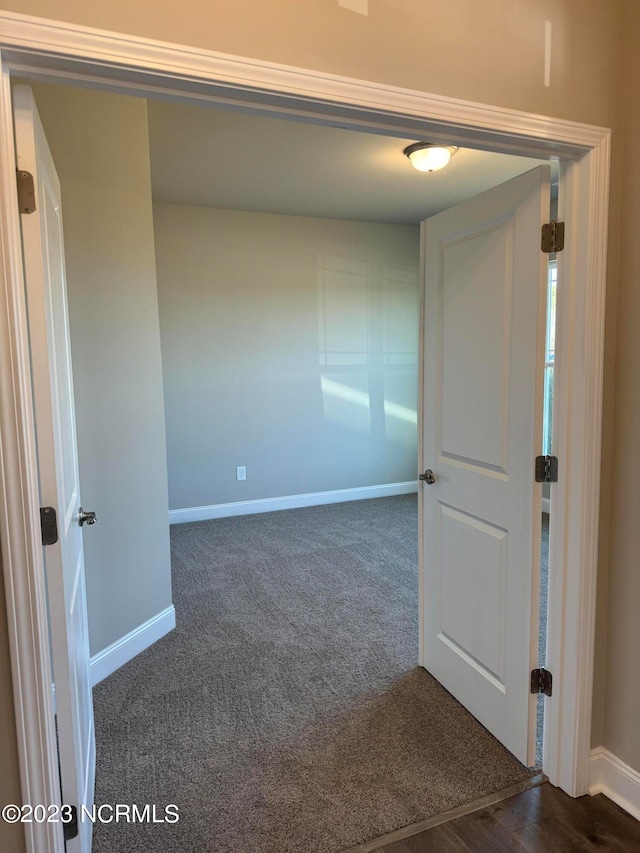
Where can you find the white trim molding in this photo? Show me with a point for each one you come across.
(20, 534)
(205, 513)
(610, 776)
(577, 435)
(137, 65)
(126, 648)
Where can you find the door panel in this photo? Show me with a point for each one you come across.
(475, 291)
(465, 540)
(43, 246)
(483, 339)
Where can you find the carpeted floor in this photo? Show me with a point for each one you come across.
(286, 713)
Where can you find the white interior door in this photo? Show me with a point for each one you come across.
(483, 362)
(43, 248)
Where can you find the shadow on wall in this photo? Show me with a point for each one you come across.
(368, 338)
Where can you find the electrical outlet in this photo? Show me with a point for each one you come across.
(241, 472)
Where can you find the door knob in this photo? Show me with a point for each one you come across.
(428, 477)
(88, 517)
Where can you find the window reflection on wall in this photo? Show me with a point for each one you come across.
(368, 347)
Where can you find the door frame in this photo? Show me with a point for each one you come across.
(60, 52)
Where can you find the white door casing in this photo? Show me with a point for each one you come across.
(55, 50)
(481, 428)
(52, 380)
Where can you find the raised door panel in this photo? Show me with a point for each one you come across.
(475, 304)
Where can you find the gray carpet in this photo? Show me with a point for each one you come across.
(286, 713)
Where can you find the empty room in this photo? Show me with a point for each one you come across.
(285, 620)
(148, 588)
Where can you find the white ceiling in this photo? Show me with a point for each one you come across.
(215, 158)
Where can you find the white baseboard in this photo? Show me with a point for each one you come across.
(204, 513)
(610, 776)
(127, 647)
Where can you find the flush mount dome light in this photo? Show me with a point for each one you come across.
(429, 157)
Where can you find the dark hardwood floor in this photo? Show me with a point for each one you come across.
(541, 820)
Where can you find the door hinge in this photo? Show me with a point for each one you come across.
(71, 826)
(552, 237)
(48, 525)
(541, 681)
(26, 191)
(546, 469)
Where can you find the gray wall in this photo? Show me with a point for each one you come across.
(289, 345)
(100, 146)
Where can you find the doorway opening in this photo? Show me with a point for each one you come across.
(366, 329)
(547, 450)
(588, 141)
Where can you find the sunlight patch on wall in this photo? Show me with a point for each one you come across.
(401, 413)
(368, 346)
(346, 405)
(359, 6)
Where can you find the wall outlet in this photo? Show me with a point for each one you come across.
(241, 472)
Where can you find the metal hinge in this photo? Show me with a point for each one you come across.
(70, 828)
(546, 469)
(552, 237)
(48, 525)
(541, 681)
(26, 191)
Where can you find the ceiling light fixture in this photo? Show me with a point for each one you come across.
(429, 157)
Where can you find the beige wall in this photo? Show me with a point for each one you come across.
(11, 837)
(482, 50)
(621, 724)
(289, 346)
(490, 52)
(100, 146)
